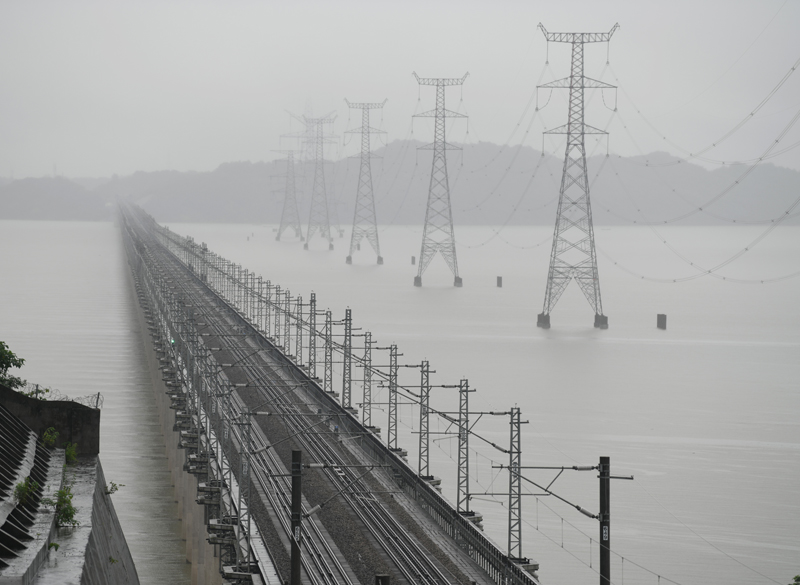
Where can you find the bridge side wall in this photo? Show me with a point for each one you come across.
(203, 556)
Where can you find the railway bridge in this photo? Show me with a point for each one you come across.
(293, 484)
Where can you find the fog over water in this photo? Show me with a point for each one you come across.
(180, 107)
(704, 414)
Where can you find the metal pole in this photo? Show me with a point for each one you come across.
(297, 505)
(298, 334)
(424, 416)
(463, 447)
(605, 520)
(392, 433)
(312, 336)
(515, 488)
(277, 315)
(268, 314)
(287, 330)
(327, 383)
(347, 377)
(366, 405)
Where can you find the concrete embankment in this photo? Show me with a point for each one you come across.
(62, 529)
(204, 557)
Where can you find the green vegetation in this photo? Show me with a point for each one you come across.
(25, 489)
(112, 560)
(37, 392)
(796, 580)
(49, 437)
(113, 487)
(71, 453)
(53, 545)
(65, 511)
(8, 360)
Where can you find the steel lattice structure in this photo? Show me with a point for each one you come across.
(391, 440)
(424, 420)
(462, 478)
(319, 217)
(347, 359)
(366, 406)
(365, 223)
(290, 217)
(573, 254)
(515, 488)
(438, 235)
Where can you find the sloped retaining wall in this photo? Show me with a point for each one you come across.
(107, 559)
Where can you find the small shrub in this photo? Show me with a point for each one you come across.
(53, 545)
(35, 391)
(25, 489)
(112, 560)
(49, 437)
(113, 487)
(65, 511)
(71, 453)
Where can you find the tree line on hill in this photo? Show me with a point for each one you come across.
(489, 184)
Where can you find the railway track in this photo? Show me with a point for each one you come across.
(255, 359)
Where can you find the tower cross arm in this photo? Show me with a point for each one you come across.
(369, 129)
(586, 82)
(573, 128)
(433, 114)
(440, 80)
(578, 37)
(368, 105)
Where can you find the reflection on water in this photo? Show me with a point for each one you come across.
(66, 307)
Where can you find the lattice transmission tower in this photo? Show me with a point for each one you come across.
(290, 217)
(437, 235)
(319, 217)
(573, 254)
(365, 224)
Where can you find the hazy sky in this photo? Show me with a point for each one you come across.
(97, 88)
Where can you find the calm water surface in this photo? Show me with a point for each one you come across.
(66, 307)
(704, 415)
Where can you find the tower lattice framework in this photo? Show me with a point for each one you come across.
(290, 216)
(573, 254)
(365, 223)
(438, 235)
(319, 216)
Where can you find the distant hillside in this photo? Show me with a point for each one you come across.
(489, 184)
(52, 198)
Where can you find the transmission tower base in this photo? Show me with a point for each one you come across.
(543, 321)
(458, 282)
(601, 321)
(417, 281)
(349, 260)
(380, 259)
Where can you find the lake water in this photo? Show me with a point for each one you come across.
(66, 307)
(704, 414)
